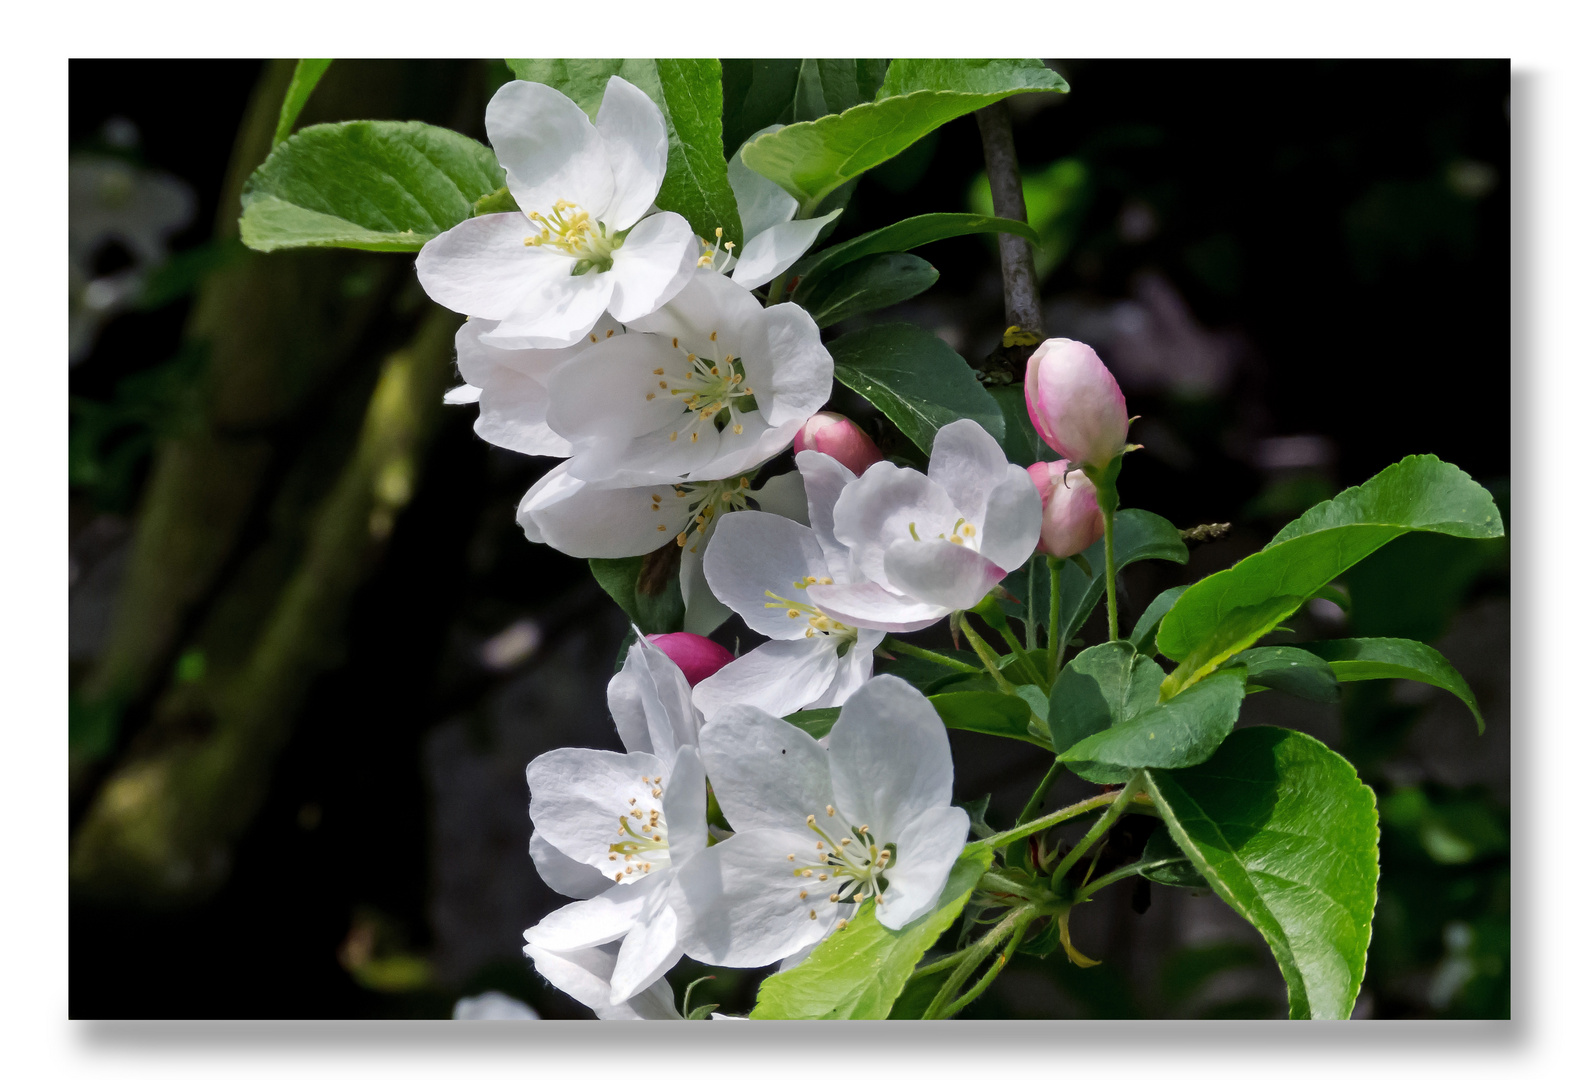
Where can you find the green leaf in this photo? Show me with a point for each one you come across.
(811, 159)
(818, 722)
(826, 86)
(1147, 627)
(1228, 611)
(915, 379)
(1359, 659)
(858, 972)
(868, 285)
(1102, 686)
(662, 613)
(1173, 867)
(302, 83)
(1174, 734)
(1287, 835)
(377, 185)
(1292, 671)
(905, 235)
(990, 713)
(689, 93)
(756, 94)
(696, 182)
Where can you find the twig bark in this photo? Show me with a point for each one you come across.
(1006, 192)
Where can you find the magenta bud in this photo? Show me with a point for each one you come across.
(1072, 519)
(838, 437)
(697, 657)
(1075, 404)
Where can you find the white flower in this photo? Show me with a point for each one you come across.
(931, 545)
(760, 565)
(821, 830)
(579, 246)
(586, 975)
(714, 386)
(626, 818)
(591, 521)
(511, 385)
(772, 240)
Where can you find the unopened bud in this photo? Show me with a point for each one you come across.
(1072, 520)
(697, 657)
(1075, 403)
(838, 437)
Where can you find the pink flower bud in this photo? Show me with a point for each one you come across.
(697, 657)
(1072, 520)
(836, 436)
(1074, 402)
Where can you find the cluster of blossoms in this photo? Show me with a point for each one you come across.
(613, 337)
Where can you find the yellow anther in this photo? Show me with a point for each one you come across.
(790, 859)
(812, 913)
(650, 397)
(661, 528)
(822, 877)
(738, 429)
(655, 497)
(675, 343)
(694, 436)
(673, 437)
(841, 923)
(803, 894)
(713, 335)
(659, 371)
(810, 821)
(831, 811)
(593, 339)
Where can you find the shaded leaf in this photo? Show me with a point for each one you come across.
(904, 235)
(868, 285)
(304, 80)
(1173, 734)
(988, 712)
(1359, 659)
(915, 379)
(1292, 671)
(662, 613)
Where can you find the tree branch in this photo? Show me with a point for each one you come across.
(1006, 192)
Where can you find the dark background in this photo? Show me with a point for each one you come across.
(1299, 273)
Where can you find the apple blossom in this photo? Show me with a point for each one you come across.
(772, 240)
(1072, 520)
(760, 565)
(713, 386)
(610, 521)
(697, 657)
(581, 245)
(834, 434)
(1075, 403)
(930, 545)
(821, 829)
(628, 818)
(511, 385)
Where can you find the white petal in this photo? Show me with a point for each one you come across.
(940, 572)
(866, 604)
(753, 553)
(481, 267)
(634, 135)
(926, 851)
(765, 772)
(578, 795)
(708, 303)
(886, 506)
(740, 901)
(784, 496)
(561, 311)
(795, 378)
(776, 248)
(648, 951)
(853, 671)
(463, 394)
(703, 612)
(824, 478)
(563, 874)
(613, 392)
(649, 698)
(600, 523)
(484, 364)
(968, 464)
(1010, 529)
(586, 923)
(762, 203)
(656, 261)
(548, 149)
(779, 677)
(889, 756)
(684, 805)
(742, 445)
(584, 975)
(514, 416)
